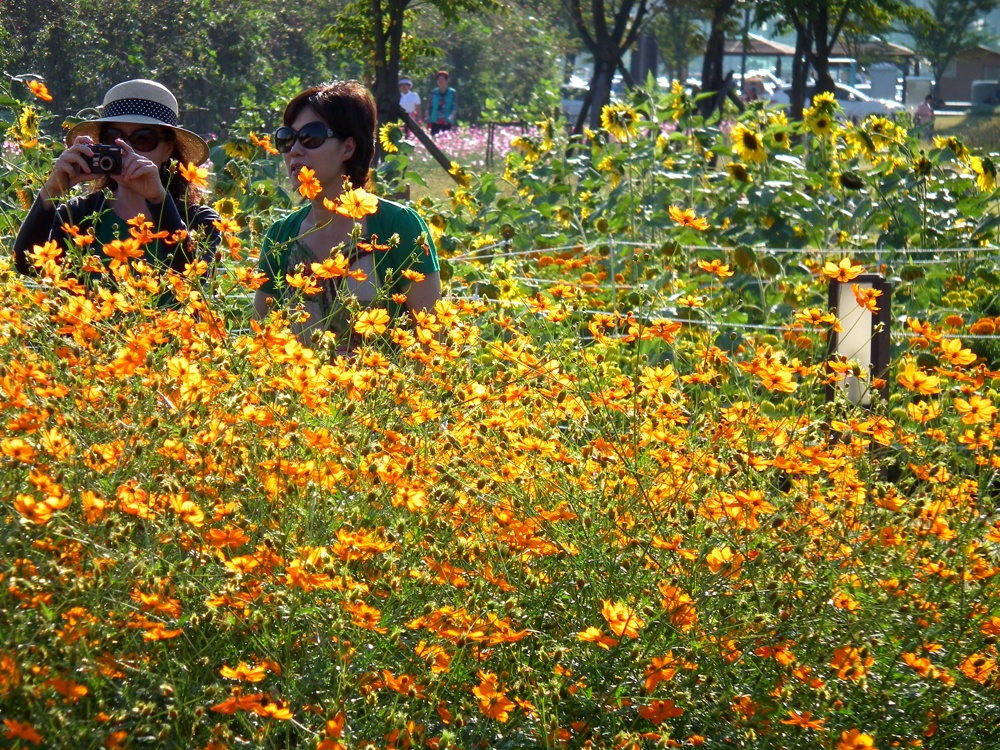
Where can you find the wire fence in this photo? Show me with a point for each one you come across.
(909, 256)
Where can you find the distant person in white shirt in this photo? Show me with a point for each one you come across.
(409, 100)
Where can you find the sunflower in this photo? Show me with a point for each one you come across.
(27, 124)
(860, 142)
(227, 208)
(985, 171)
(819, 121)
(779, 137)
(922, 166)
(620, 120)
(824, 100)
(748, 144)
(739, 172)
(957, 147)
(389, 136)
(237, 149)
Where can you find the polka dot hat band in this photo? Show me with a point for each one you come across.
(143, 102)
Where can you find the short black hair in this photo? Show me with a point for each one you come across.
(349, 109)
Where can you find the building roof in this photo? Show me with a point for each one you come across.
(758, 46)
(980, 51)
(873, 50)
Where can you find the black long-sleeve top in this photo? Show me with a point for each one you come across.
(45, 222)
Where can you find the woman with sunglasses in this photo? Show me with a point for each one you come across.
(139, 117)
(331, 131)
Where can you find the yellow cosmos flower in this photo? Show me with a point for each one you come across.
(372, 322)
(354, 204)
(843, 271)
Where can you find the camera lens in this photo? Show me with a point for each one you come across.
(106, 163)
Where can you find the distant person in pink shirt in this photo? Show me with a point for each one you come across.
(924, 116)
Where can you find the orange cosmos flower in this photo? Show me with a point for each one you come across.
(263, 142)
(596, 635)
(851, 663)
(658, 711)
(302, 282)
(978, 667)
(334, 267)
(660, 669)
(621, 618)
(952, 352)
(244, 672)
(197, 177)
(372, 322)
(716, 267)
(977, 410)
(855, 740)
(492, 701)
(364, 616)
(914, 379)
(414, 276)
(355, 204)
(69, 689)
(39, 89)
(688, 218)
(309, 186)
(866, 297)
(21, 730)
(804, 720)
(725, 560)
(843, 271)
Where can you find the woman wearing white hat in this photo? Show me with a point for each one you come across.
(140, 118)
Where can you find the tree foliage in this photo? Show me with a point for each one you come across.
(678, 26)
(818, 25)
(946, 28)
(607, 31)
(213, 54)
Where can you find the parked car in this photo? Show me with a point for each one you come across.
(855, 104)
(572, 94)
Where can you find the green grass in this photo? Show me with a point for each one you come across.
(979, 128)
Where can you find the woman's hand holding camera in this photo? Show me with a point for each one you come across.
(74, 166)
(140, 175)
(71, 168)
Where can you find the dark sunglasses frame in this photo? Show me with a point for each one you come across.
(311, 135)
(143, 139)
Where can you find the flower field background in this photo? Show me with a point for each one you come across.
(597, 498)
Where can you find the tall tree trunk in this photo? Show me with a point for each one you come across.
(600, 87)
(712, 77)
(388, 38)
(821, 46)
(800, 72)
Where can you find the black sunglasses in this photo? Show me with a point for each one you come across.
(312, 135)
(143, 139)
